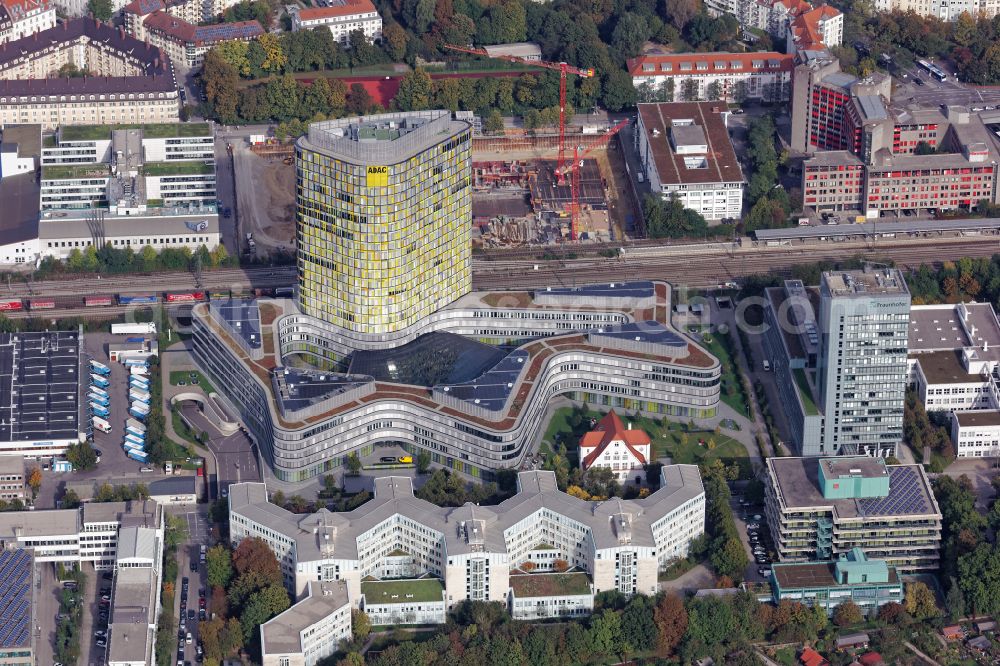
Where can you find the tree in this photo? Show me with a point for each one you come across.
(35, 481)
(70, 500)
(353, 463)
(681, 12)
(606, 633)
(359, 101)
(638, 628)
(101, 9)
(220, 80)
(630, 33)
(361, 625)
(891, 613)
(617, 90)
(261, 607)
(394, 41)
(235, 53)
(493, 123)
(920, 603)
(254, 556)
(231, 638)
(954, 602)
(559, 565)
(219, 565)
(847, 613)
(671, 620)
(82, 456)
(415, 90)
(423, 462)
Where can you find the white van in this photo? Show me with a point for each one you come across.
(767, 365)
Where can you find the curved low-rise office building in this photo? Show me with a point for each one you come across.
(475, 407)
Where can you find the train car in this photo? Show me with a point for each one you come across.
(11, 304)
(186, 297)
(145, 299)
(98, 301)
(141, 328)
(41, 304)
(140, 456)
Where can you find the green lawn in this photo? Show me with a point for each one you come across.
(63, 171)
(178, 376)
(382, 592)
(550, 584)
(669, 438)
(179, 168)
(152, 131)
(786, 656)
(805, 392)
(720, 345)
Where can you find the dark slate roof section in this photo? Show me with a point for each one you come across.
(491, 389)
(300, 388)
(616, 289)
(39, 386)
(645, 331)
(20, 194)
(433, 358)
(158, 73)
(243, 317)
(173, 485)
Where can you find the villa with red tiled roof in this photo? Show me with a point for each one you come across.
(613, 445)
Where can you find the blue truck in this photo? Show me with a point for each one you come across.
(98, 380)
(140, 456)
(101, 400)
(99, 368)
(137, 413)
(99, 410)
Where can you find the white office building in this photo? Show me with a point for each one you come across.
(311, 629)
(341, 17)
(686, 153)
(410, 560)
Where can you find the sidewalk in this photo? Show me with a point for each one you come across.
(177, 357)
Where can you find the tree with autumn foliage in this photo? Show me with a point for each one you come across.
(34, 481)
(671, 620)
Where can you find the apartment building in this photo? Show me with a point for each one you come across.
(12, 478)
(731, 77)
(187, 43)
(820, 508)
(817, 28)
(685, 152)
(21, 18)
(614, 446)
(131, 82)
(468, 552)
(943, 9)
(852, 577)
(796, 22)
(839, 352)
(311, 629)
(580, 342)
(341, 17)
(189, 11)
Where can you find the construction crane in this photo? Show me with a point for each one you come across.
(560, 67)
(573, 169)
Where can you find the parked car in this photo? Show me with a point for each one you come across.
(188, 638)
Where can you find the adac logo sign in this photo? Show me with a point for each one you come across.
(378, 176)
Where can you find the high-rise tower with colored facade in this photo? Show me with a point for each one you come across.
(383, 219)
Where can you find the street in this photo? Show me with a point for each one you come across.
(236, 456)
(187, 606)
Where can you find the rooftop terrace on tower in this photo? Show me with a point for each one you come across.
(388, 138)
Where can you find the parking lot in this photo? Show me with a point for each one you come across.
(756, 539)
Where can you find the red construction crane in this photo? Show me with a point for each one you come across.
(560, 67)
(573, 168)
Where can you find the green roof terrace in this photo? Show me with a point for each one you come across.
(550, 584)
(75, 171)
(179, 168)
(151, 131)
(402, 591)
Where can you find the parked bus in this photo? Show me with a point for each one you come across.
(99, 410)
(101, 424)
(140, 456)
(99, 368)
(99, 381)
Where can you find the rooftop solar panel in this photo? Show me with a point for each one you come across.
(491, 389)
(15, 598)
(906, 496)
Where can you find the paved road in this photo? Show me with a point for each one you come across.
(235, 453)
(198, 534)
